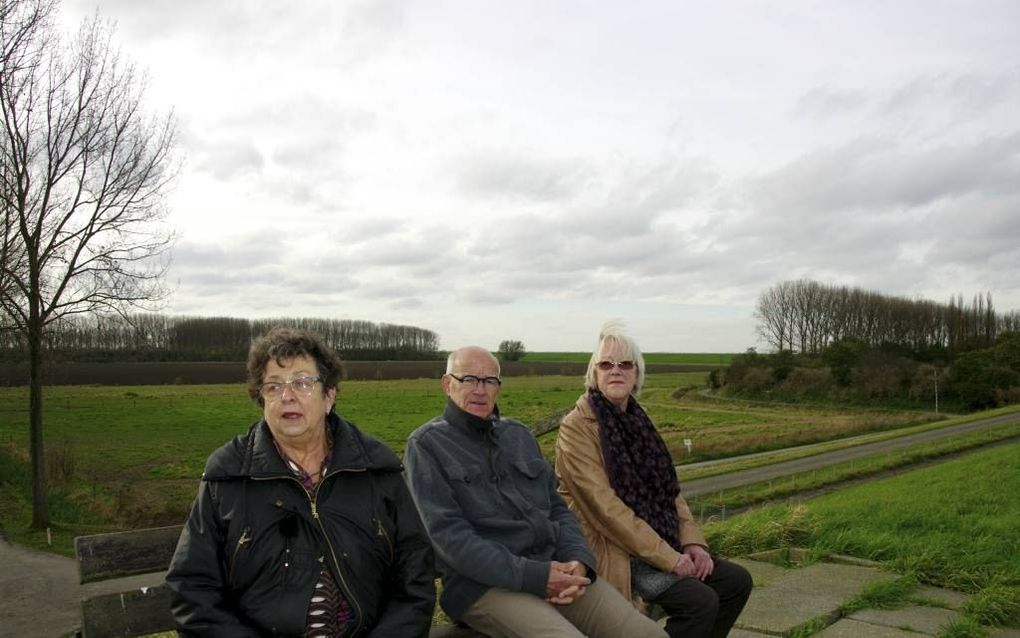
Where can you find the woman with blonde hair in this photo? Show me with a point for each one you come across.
(617, 476)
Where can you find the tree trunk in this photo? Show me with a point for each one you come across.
(40, 509)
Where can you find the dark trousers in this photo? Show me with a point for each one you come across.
(706, 609)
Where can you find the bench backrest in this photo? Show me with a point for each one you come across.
(136, 609)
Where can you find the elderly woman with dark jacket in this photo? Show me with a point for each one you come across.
(303, 526)
(616, 475)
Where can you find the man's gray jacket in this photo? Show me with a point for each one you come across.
(488, 499)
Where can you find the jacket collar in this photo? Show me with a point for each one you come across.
(468, 422)
(259, 457)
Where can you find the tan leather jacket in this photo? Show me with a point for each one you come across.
(612, 530)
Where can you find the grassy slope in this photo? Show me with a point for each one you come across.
(954, 524)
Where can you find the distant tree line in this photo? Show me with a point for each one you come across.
(836, 343)
(806, 316)
(158, 337)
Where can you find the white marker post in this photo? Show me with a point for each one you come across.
(687, 444)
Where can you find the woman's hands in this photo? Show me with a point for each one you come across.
(694, 561)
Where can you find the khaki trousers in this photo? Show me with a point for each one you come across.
(601, 613)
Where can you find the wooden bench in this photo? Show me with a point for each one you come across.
(124, 591)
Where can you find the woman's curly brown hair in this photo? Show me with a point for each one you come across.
(283, 344)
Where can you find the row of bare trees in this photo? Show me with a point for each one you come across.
(807, 316)
(158, 337)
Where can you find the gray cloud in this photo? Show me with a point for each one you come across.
(867, 173)
(496, 174)
(826, 101)
(227, 159)
(963, 94)
(407, 303)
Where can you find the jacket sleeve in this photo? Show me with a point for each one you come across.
(580, 467)
(690, 533)
(197, 577)
(407, 611)
(455, 540)
(570, 543)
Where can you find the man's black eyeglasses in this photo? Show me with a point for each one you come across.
(470, 379)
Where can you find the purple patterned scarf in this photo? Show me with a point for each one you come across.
(638, 465)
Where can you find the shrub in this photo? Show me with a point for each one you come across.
(841, 357)
(511, 350)
(808, 382)
(922, 383)
(1007, 396)
(880, 375)
(752, 380)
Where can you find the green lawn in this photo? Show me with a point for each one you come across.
(131, 456)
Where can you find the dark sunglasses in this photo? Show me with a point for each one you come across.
(606, 366)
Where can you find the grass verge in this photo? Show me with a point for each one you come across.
(949, 525)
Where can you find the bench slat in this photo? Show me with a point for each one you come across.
(132, 613)
(104, 556)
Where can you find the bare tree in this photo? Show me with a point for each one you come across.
(511, 350)
(84, 171)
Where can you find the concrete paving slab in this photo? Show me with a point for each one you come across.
(784, 556)
(761, 573)
(745, 633)
(841, 580)
(800, 595)
(847, 628)
(948, 597)
(1001, 632)
(851, 560)
(928, 620)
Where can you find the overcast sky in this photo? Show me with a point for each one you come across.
(527, 170)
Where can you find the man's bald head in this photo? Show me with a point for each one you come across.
(472, 380)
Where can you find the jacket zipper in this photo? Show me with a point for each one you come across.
(237, 548)
(336, 561)
(381, 532)
(312, 502)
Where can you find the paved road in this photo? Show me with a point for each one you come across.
(778, 470)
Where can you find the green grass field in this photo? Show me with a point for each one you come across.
(650, 357)
(131, 456)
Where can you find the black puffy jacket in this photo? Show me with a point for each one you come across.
(251, 551)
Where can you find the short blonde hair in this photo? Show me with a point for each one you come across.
(612, 332)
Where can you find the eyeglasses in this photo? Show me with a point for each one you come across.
(624, 366)
(470, 379)
(302, 386)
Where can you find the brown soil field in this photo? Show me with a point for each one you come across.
(200, 373)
